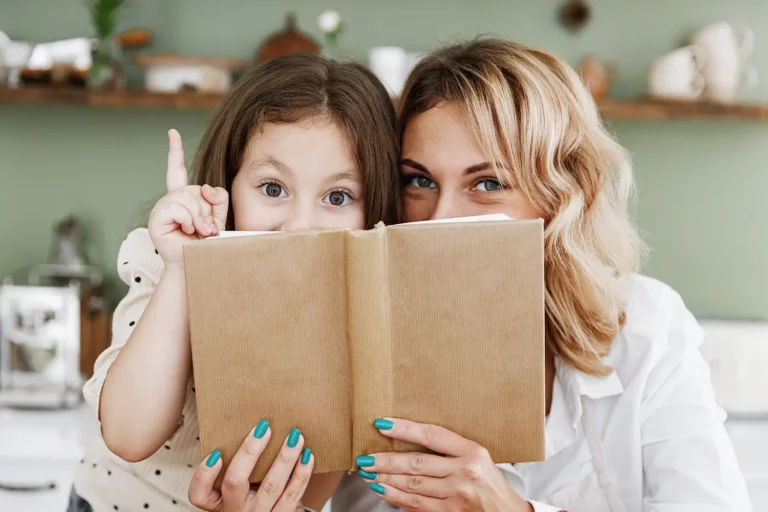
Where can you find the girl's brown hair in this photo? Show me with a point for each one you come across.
(296, 88)
(530, 110)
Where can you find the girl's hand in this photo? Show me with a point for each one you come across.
(186, 212)
(281, 490)
(464, 479)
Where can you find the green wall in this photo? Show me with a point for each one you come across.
(702, 185)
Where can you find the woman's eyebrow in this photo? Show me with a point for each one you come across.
(415, 165)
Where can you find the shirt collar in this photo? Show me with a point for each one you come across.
(565, 414)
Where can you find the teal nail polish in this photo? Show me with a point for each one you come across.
(293, 437)
(213, 458)
(365, 474)
(305, 456)
(261, 429)
(383, 424)
(364, 461)
(378, 488)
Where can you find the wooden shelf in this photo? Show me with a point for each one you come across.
(122, 99)
(668, 110)
(610, 109)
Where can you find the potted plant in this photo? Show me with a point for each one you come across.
(106, 69)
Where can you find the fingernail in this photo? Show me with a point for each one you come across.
(213, 458)
(365, 474)
(378, 488)
(305, 456)
(365, 460)
(261, 429)
(293, 437)
(383, 424)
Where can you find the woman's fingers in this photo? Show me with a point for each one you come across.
(406, 500)
(201, 492)
(414, 484)
(219, 200)
(176, 173)
(302, 472)
(236, 484)
(407, 464)
(276, 479)
(433, 437)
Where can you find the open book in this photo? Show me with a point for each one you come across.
(439, 322)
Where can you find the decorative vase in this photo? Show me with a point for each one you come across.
(105, 72)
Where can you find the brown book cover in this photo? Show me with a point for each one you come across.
(326, 331)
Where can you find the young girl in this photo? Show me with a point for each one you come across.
(300, 143)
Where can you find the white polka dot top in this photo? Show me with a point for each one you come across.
(160, 482)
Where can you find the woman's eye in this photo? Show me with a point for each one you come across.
(420, 182)
(273, 190)
(338, 198)
(489, 185)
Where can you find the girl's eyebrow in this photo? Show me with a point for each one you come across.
(271, 161)
(345, 175)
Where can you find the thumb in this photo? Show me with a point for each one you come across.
(218, 198)
(176, 174)
(201, 489)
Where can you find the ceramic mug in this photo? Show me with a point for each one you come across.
(726, 75)
(721, 42)
(390, 64)
(678, 75)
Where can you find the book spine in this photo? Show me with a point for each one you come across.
(369, 339)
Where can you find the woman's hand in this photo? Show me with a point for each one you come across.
(464, 479)
(281, 490)
(186, 212)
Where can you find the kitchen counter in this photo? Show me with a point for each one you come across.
(38, 447)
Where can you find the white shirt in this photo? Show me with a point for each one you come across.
(658, 432)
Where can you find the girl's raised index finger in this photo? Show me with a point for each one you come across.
(176, 174)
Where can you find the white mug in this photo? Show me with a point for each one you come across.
(678, 75)
(391, 65)
(721, 42)
(726, 76)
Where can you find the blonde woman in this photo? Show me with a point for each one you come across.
(632, 425)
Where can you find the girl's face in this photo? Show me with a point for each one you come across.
(445, 174)
(297, 177)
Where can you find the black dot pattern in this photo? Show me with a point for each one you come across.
(173, 501)
(156, 252)
(157, 472)
(109, 473)
(190, 466)
(94, 464)
(137, 279)
(131, 323)
(167, 447)
(115, 507)
(146, 505)
(193, 389)
(125, 263)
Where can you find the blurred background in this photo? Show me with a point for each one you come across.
(683, 84)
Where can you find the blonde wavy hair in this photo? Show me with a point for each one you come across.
(531, 111)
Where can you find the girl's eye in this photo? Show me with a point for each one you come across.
(337, 198)
(419, 181)
(273, 189)
(489, 185)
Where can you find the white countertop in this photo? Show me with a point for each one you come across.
(45, 446)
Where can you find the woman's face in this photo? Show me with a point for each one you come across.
(446, 175)
(297, 177)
